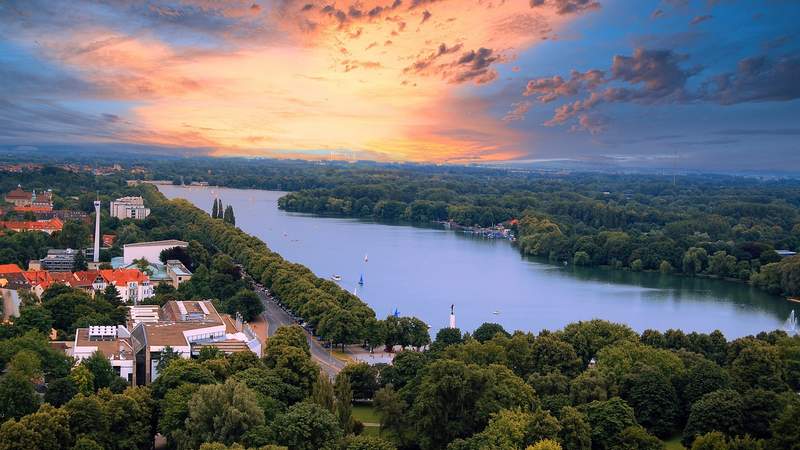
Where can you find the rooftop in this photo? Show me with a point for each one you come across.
(172, 242)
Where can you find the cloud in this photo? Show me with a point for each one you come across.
(757, 79)
(567, 6)
(518, 112)
(425, 16)
(550, 89)
(700, 19)
(657, 14)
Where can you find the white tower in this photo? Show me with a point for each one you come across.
(452, 316)
(97, 231)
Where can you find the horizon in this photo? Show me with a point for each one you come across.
(595, 85)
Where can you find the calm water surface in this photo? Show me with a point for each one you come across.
(421, 271)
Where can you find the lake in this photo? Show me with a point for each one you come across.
(422, 271)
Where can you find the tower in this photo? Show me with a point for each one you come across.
(452, 316)
(96, 231)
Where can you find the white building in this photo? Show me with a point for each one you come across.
(129, 208)
(148, 250)
(112, 341)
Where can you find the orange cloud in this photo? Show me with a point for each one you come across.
(386, 79)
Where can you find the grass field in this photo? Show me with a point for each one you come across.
(674, 444)
(366, 414)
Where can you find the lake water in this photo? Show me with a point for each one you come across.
(422, 271)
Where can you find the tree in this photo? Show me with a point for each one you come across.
(363, 379)
(229, 216)
(446, 337)
(73, 235)
(112, 295)
(542, 425)
(367, 443)
(173, 412)
(694, 260)
(323, 394)
(343, 404)
(607, 420)
(28, 365)
(488, 331)
(17, 397)
(702, 378)
(760, 408)
(785, 432)
(340, 327)
(758, 365)
(545, 444)
(718, 411)
(575, 432)
(589, 337)
(222, 413)
(307, 426)
(87, 418)
(391, 407)
(178, 372)
(653, 399)
(167, 354)
(589, 386)
(214, 209)
(245, 302)
(84, 443)
(637, 438)
(100, 367)
(47, 428)
(79, 263)
(60, 391)
(83, 378)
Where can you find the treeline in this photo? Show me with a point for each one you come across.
(712, 226)
(593, 385)
(335, 314)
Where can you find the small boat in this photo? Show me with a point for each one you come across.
(793, 299)
(496, 312)
(366, 258)
(336, 277)
(361, 281)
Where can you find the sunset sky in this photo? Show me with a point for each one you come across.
(707, 84)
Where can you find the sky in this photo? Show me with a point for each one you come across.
(705, 85)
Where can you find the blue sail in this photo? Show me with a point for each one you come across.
(361, 280)
(396, 313)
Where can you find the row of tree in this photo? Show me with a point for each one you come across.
(336, 315)
(226, 214)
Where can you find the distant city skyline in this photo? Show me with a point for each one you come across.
(709, 85)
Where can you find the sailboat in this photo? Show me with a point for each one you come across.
(366, 258)
(361, 281)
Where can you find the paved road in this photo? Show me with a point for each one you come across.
(275, 317)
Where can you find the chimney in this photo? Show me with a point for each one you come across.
(96, 231)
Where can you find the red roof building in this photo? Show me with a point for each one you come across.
(46, 226)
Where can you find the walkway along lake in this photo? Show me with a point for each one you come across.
(421, 271)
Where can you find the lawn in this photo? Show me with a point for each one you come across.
(674, 444)
(366, 414)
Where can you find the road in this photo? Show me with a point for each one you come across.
(276, 317)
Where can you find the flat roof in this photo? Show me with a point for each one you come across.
(172, 242)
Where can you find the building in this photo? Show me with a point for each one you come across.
(114, 342)
(129, 208)
(59, 260)
(178, 273)
(185, 327)
(132, 285)
(47, 226)
(12, 282)
(151, 251)
(785, 253)
(32, 200)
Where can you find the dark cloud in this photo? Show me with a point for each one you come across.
(657, 13)
(474, 66)
(418, 3)
(757, 79)
(700, 19)
(567, 6)
(549, 89)
(659, 71)
(425, 16)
